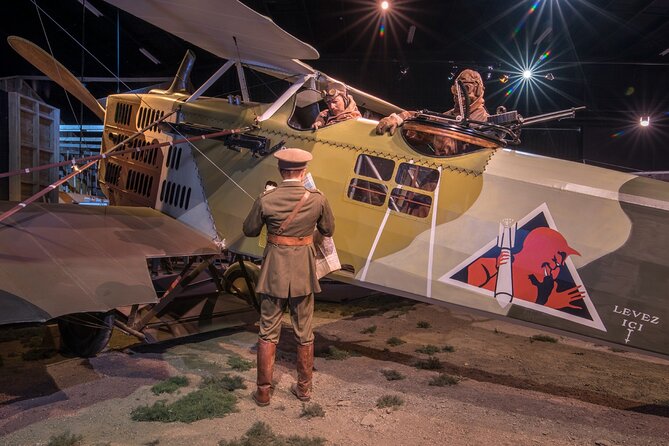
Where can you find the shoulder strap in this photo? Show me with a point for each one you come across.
(292, 215)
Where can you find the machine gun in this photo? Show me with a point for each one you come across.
(503, 127)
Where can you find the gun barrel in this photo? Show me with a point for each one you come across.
(569, 113)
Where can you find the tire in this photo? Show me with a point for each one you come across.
(235, 283)
(85, 334)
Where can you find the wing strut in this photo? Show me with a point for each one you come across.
(214, 77)
(284, 97)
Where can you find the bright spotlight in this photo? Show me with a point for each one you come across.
(385, 6)
(527, 74)
(644, 122)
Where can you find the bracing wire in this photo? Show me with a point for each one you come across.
(48, 43)
(138, 96)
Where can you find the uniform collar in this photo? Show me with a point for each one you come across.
(291, 182)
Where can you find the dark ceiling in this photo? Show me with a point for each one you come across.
(604, 54)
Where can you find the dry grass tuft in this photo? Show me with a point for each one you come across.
(443, 380)
(543, 338)
(312, 410)
(392, 375)
(393, 401)
(66, 439)
(394, 341)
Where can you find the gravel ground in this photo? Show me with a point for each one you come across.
(511, 390)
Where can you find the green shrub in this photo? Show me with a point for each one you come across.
(159, 411)
(224, 383)
(431, 363)
(199, 405)
(428, 349)
(370, 329)
(389, 401)
(423, 324)
(170, 385)
(335, 354)
(260, 434)
(443, 380)
(240, 364)
(392, 375)
(448, 348)
(394, 341)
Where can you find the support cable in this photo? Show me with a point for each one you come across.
(138, 96)
(95, 158)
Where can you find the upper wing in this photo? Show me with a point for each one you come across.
(227, 29)
(232, 30)
(62, 259)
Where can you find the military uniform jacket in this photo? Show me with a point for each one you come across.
(289, 271)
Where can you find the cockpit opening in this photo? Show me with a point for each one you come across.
(306, 109)
(309, 103)
(438, 140)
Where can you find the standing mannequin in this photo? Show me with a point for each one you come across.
(288, 275)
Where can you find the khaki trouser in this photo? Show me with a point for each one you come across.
(301, 315)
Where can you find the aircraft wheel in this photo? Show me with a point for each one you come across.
(235, 283)
(85, 334)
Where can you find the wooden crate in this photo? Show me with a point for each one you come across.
(32, 140)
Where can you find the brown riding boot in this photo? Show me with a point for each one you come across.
(266, 351)
(305, 367)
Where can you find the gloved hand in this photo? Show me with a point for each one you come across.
(389, 124)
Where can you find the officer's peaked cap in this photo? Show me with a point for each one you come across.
(293, 159)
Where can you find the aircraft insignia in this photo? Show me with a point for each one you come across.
(529, 264)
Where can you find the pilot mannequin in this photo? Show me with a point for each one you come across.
(472, 83)
(341, 106)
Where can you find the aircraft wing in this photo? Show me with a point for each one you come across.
(231, 30)
(227, 29)
(59, 259)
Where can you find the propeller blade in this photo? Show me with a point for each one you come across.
(44, 62)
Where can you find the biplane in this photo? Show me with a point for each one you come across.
(560, 245)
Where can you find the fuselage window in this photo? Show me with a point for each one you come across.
(417, 176)
(367, 192)
(374, 167)
(409, 202)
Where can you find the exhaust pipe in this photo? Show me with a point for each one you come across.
(181, 82)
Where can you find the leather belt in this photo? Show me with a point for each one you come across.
(285, 240)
